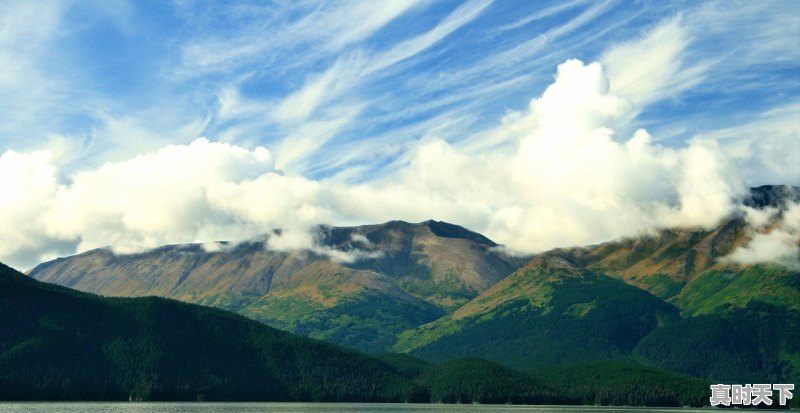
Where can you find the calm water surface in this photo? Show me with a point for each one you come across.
(307, 408)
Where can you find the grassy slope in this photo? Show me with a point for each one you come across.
(368, 321)
(546, 314)
(726, 286)
(355, 308)
(665, 262)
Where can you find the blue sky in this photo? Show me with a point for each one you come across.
(350, 96)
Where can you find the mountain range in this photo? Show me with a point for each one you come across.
(361, 288)
(667, 301)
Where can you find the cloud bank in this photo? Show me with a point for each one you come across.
(775, 238)
(564, 178)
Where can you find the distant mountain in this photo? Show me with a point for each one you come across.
(686, 267)
(668, 300)
(404, 275)
(774, 196)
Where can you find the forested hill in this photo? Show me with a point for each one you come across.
(59, 344)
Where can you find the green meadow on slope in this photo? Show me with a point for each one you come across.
(547, 313)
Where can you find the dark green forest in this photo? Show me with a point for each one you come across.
(625, 383)
(737, 344)
(58, 344)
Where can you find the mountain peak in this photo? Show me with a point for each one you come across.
(395, 275)
(772, 196)
(337, 236)
(446, 230)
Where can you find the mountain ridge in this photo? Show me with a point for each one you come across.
(413, 273)
(711, 301)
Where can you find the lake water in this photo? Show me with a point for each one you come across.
(307, 408)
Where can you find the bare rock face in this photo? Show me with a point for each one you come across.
(361, 287)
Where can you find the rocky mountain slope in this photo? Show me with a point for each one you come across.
(405, 275)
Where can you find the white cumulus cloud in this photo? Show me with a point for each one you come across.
(780, 244)
(568, 179)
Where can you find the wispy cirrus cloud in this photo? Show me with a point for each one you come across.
(462, 15)
(277, 30)
(28, 89)
(343, 78)
(321, 88)
(541, 14)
